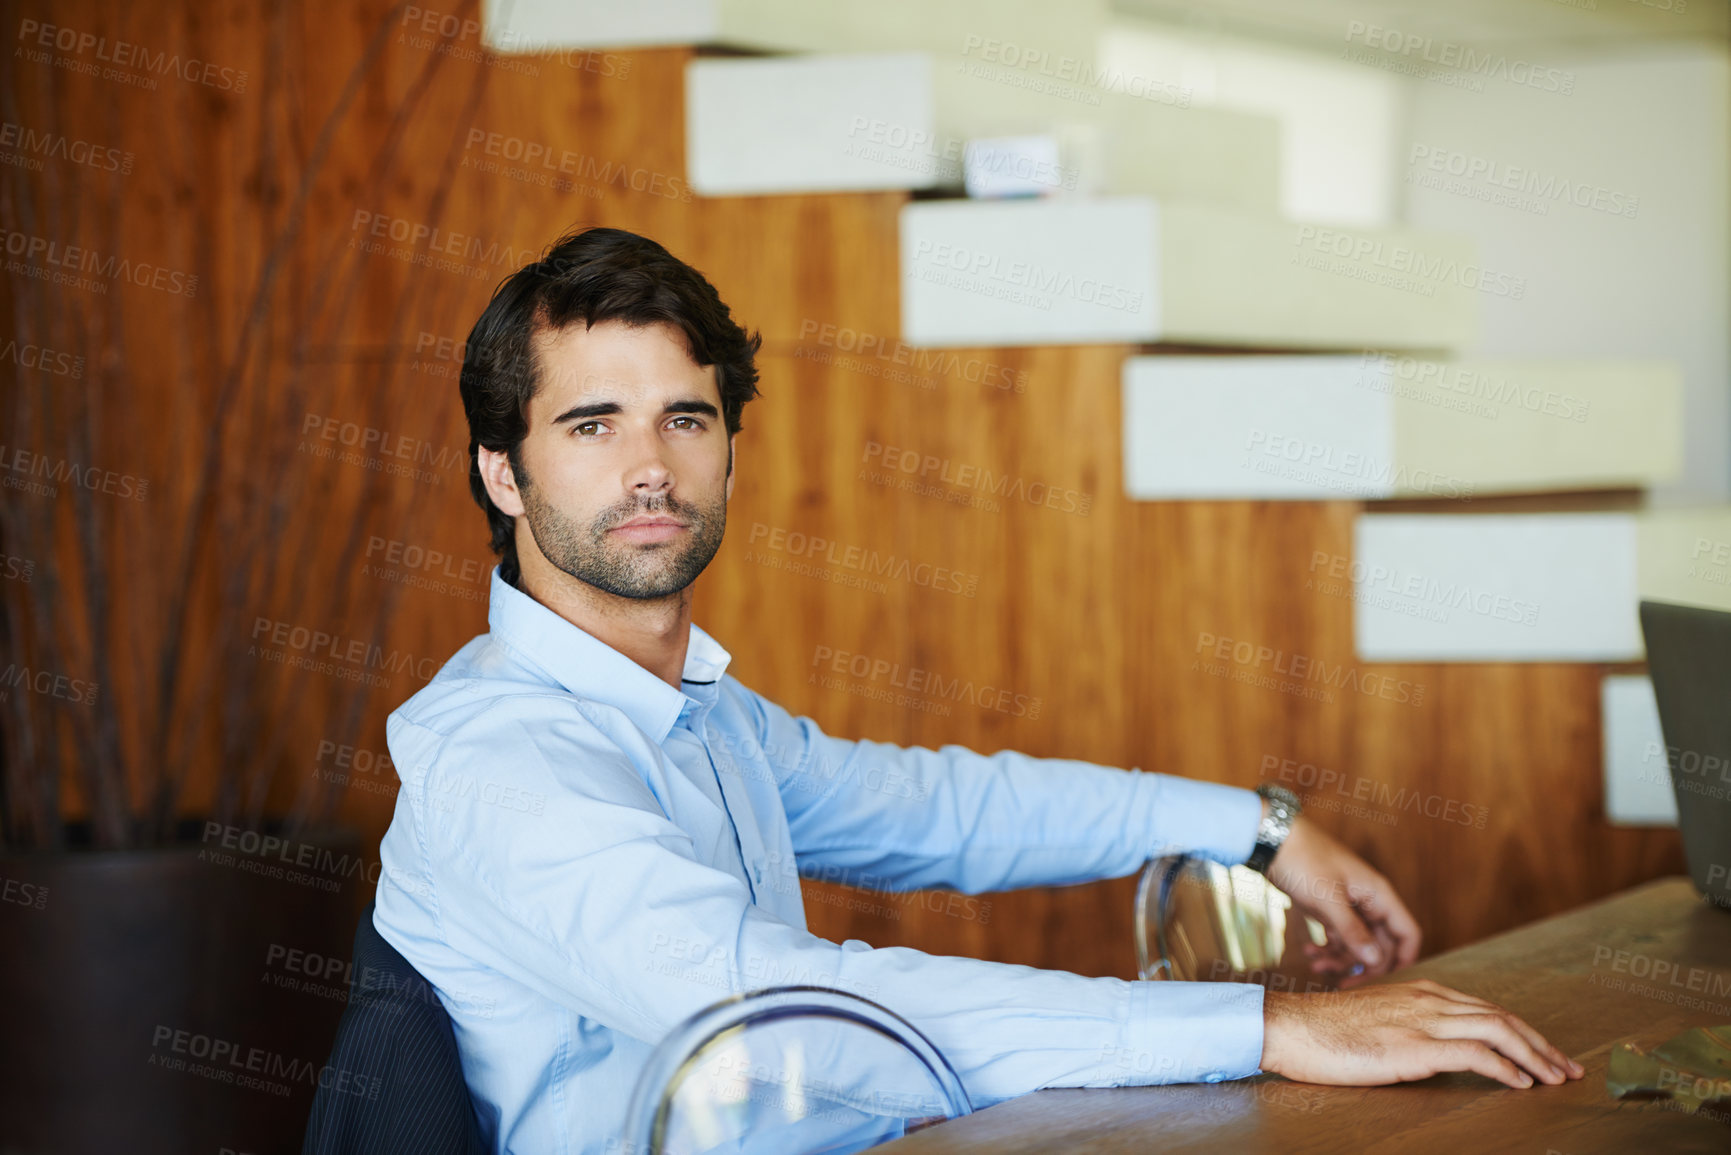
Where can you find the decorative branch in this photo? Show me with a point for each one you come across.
(228, 530)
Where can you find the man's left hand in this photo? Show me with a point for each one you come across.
(1368, 925)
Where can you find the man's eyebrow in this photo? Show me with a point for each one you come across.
(592, 409)
(694, 405)
(609, 408)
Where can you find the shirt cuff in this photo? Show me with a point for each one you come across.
(1192, 1033)
(1204, 818)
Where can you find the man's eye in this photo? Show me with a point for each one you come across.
(587, 428)
(690, 422)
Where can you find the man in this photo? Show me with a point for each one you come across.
(598, 830)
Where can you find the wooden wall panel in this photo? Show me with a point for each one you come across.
(1097, 615)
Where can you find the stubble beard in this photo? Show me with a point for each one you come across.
(641, 572)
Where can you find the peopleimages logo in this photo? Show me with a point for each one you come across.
(1388, 371)
(1056, 73)
(873, 347)
(1703, 980)
(1689, 762)
(1345, 470)
(381, 226)
(1418, 588)
(353, 659)
(43, 359)
(550, 160)
(355, 767)
(20, 467)
(44, 254)
(1368, 253)
(1354, 788)
(912, 148)
(852, 561)
(48, 684)
(965, 476)
(1543, 187)
(21, 893)
(55, 146)
(916, 680)
(1412, 48)
(379, 450)
(226, 1061)
(123, 54)
(1291, 673)
(430, 569)
(934, 260)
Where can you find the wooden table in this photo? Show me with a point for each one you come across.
(1564, 975)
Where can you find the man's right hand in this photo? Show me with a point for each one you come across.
(1398, 1032)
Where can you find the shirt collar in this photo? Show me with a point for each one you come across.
(590, 668)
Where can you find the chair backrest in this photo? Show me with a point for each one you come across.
(394, 1084)
(789, 1071)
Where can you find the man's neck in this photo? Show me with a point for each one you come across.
(654, 634)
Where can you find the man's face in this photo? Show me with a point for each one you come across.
(626, 459)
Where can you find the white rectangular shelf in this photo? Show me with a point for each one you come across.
(1001, 68)
(1638, 788)
(1116, 144)
(769, 125)
(1528, 587)
(1188, 152)
(1133, 269)
(963, 28)
(1220, 427)
(1029, 272)
(1381, 426)
(1495, 587)
(1686, 556)
(804, 124)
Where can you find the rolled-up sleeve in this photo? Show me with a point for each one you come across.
(896, 817)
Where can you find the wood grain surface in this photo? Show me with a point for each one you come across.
(1096, 622)
(1638, 968)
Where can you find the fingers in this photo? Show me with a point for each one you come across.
(1497, 1028)
(1430, 986)
(1344, 923)
(1388, 916)
(1462, 1003)
(1330, 960)
(1404, 930)
(1369, 917)
(1471, 1055)
(1391, 947)
(1404, 1031)
(1375, 926)
(1546, 1048)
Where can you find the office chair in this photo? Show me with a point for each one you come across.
(395, 1081)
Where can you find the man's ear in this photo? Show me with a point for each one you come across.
(732, 438)
(500, 481)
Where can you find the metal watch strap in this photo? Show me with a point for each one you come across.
(1283, 808)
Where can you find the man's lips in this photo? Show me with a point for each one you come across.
(649, 529)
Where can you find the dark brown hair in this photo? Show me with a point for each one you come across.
(592, 275)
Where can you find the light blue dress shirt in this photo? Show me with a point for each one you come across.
(583, 856)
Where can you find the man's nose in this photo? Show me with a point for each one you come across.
(649, 470)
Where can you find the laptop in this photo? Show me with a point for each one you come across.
(1689, 658)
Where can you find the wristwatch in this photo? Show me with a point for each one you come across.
(1283, 809)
